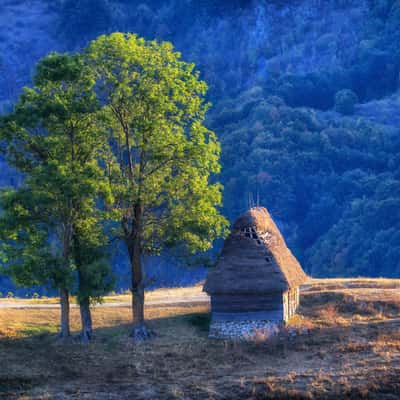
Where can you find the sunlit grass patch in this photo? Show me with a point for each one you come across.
(42, 329)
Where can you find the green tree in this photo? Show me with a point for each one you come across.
(161, 155)
(53, 138)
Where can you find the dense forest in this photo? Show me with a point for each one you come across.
(307, 116)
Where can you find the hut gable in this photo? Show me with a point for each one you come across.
(255, 259)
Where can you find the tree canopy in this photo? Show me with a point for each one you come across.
(162, 156)
(54, 139)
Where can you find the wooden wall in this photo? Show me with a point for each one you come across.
(247, 307)
(276, 306)
(291, 300)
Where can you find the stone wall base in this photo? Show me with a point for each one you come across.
(245, 330)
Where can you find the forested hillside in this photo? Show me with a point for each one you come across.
(305, 102)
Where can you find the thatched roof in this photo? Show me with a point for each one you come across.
(254, 259)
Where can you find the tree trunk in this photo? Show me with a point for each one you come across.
(64, 293)
(83, 290)
(139, 329)
(64, 301)
(86, 321)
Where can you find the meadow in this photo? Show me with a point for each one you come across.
(343, 343)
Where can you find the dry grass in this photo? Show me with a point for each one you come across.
(20, 323)
(339, 346)
(153, 295)
(343, 283)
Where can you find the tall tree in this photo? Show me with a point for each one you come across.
(162, 156)
(53, 138)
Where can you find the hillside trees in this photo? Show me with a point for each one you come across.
(81, 20)
(331, 183)
(345, 101)
(162, 156)
(51, 225)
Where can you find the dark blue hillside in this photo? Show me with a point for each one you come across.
(305, 100)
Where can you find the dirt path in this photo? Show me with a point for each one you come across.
(166, 301)
(361, 289)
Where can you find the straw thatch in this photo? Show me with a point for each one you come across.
(255, 259)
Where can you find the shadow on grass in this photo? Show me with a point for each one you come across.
(41, 357)
(181, 356)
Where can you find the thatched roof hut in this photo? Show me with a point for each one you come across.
(257, 277)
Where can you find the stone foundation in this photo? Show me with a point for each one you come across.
(244, 330)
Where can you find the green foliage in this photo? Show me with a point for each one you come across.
(345, 100)
(309, 167)
(366, 59)
(26, 252)
(54, 138)
(162, 154)
(332, 184)
(145, 151)
(92, 260)
(38, 330)
(366, 238)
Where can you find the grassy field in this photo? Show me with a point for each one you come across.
(344, 343)
(116, 298)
